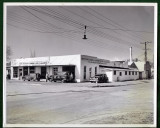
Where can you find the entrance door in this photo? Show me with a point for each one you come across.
(43, 72)
(20, 74)
(140, 75)
(147, 75)
(25, 71)
(70, 69)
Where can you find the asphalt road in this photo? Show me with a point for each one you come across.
(128, 102)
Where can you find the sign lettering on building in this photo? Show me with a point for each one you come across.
(33, 63)
(97, 61)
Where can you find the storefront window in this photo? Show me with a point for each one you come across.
(84, 72)
(95, 70)
(55, 70)
(15, 72)
(32, 69)
(25, 71)
(135, 73)
(90, 72)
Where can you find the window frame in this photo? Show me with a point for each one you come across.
(90, 71)
(85, 72)
(15, 74)
(33, 70)
(55, 71)
(95, 70)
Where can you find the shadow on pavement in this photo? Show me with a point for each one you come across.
(111, 85)
(83, 91)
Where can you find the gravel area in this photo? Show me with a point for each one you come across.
(128, 118)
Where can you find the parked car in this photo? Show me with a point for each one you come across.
(62, 76)
(100, 78)
(32, 76)
(8, 76)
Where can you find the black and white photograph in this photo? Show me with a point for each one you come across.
(80, 64)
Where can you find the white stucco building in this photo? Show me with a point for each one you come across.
(82, 66)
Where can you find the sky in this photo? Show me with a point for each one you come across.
(58, 30)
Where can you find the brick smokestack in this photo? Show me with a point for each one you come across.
(130, 54)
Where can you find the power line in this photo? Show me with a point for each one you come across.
(104, 21)
(36, 31)
(44, 20)
(91, 43)
(98, 33)
(39, 31)
(114, 22)
(92, 21)
(124, 29)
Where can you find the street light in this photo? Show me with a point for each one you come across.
(85, 33)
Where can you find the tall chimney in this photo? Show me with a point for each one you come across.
(130, 54)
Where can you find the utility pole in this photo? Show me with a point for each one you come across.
(147, 66)
(145, 50)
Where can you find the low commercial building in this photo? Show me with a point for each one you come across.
(144, 69)
(120, 73)
(81, 66)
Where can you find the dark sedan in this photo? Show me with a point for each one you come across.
(32, 76)
(99, 78)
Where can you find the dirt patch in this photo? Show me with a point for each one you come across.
(129, 118)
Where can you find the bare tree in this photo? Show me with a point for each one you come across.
(32, 54)
(8, 53)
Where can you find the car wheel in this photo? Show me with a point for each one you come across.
(63, 81)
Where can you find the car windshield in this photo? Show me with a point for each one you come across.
(61, 73)
(99, 75)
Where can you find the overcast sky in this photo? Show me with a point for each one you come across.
(58, 30)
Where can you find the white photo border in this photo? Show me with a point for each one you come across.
(5, 4)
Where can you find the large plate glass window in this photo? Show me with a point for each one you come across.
(15, 72)
(90, 72)
(32, 69)
(95, 70)
(25, 71)
(55, 70)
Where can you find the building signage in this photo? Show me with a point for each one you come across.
(33, 63)
(29, 63)
(97, 61)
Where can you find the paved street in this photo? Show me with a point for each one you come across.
(128, 102)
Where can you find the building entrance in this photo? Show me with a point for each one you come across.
(20, 74)
(70, 69)
(25, 71)
(140, 75)
(43, 72)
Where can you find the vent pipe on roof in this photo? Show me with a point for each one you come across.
(130, 54)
